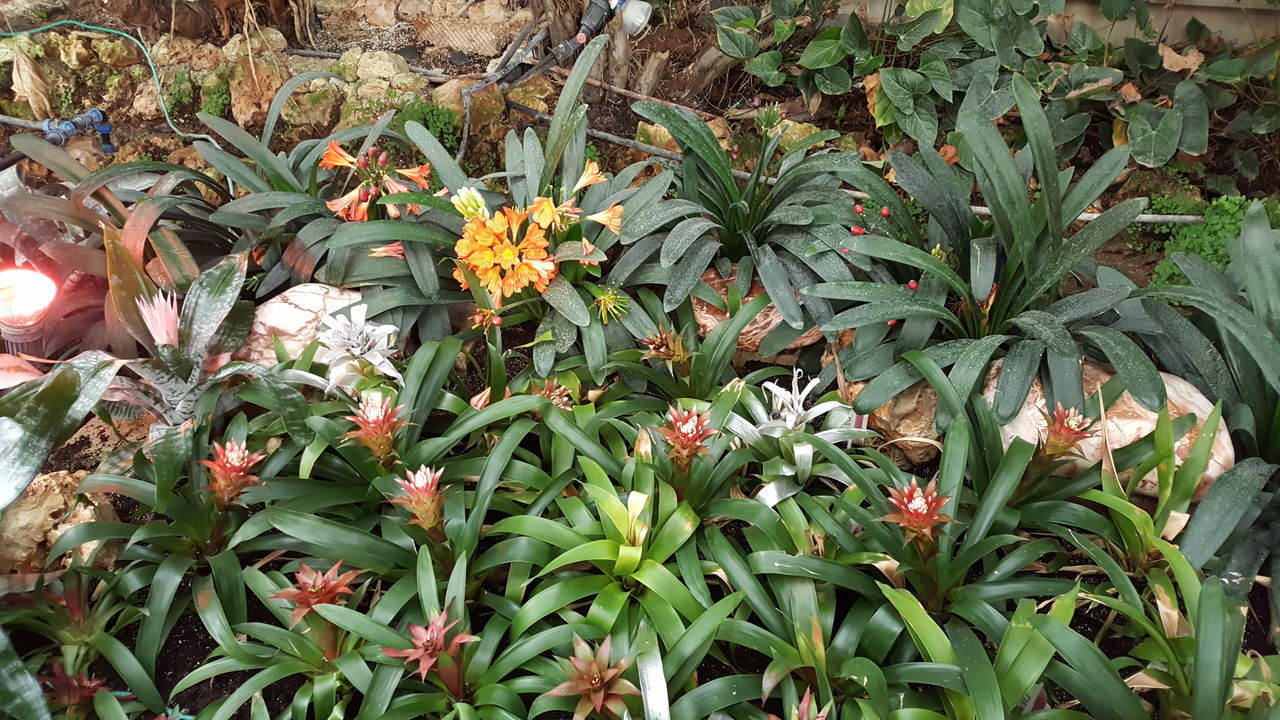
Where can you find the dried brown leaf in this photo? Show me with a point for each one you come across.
(1087, 88)
(1129, 93)
(1174, 62)
(30, 85)
(1058, 28)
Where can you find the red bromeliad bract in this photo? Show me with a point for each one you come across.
(312, 587)
(596, 682)
(917, 510)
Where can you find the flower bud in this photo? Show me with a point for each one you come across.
(382, 159)
(363, 162)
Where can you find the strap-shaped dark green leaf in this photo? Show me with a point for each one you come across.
(270, 164)
(1132, 365)
(694, 137)
(1081, 245)
(682, 237)
(1094, 182)
(1040, 140)
(20, 694)
(1093, 681)
(1219, 513)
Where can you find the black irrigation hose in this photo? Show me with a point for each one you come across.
(976, 209)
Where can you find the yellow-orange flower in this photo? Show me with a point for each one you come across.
(590, 176)
(420, 175)
(611, 219)
(552, 217)
(335, 157)
(504, 264)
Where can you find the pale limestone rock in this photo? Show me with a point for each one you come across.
(253, 87)
(379, 13)
(72, 50)
(382, 65)
(266, 40)
(47, 509)
(173, 50)
(409, 82)
(315, 105)
(709, 316)
(117, 52)
(487, 103)
(1127, 421)
(207, 57)
(294, 317)
(484, 28)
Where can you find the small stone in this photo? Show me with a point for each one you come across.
(253, 89)
(146, 104)
(409, 82)
(380, 13)
(117, 52)
(487, 103)
(294, 317)
(173, 49)
(410, 54)
(10, 47)
(45, 510)
(207, 57)
(72, 50)
(380, 64)
(267, 40)
(459, 58)
(348, 64)
(534, 93)
(314, 108)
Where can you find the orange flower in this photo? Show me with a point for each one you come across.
(229, 471)
(587, 250)
(393, 250)
(420, 175)
(611, 219)
(549, 216)
(590, 176)
(354, 206)
(394, 186)
(505, 266)
(312, 588)
(336, 157)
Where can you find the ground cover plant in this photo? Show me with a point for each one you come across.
(516, 478)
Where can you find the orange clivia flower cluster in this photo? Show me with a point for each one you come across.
(375, 179)
(509, 251)
(506, 253)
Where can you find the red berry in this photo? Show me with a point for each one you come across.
(497, 321)
(884, 212)
(844, 250)
(859, 209)
(912, 285)
(857, 230)
(891, 323)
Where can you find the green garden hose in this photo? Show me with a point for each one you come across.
(155, 74)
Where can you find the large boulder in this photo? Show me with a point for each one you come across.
(487, 103)
(1126, 422)
(294, 318)
(47, 509)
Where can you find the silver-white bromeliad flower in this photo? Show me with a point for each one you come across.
(788, 461)
(350, 344)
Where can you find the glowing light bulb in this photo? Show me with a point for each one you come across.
(25, 296)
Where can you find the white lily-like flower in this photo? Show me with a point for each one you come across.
(350, 344)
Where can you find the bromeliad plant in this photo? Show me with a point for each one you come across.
(761, 227)
(774, 435)
(971, 289)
